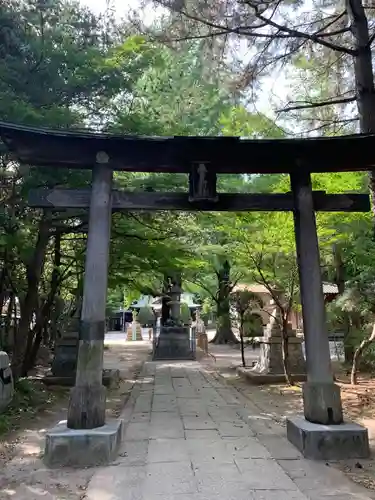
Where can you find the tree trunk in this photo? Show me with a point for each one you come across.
(164, 301)
(242, 345)
(29, 303)
(35, 336)
(50, 334)
(365, 93)
(358, 354)
(364, 76)
(33, 354)
(9, 322)
(3, 288)
(348, 344)
(348, 351)
(340, 275)
(224, 333)
(285, 350)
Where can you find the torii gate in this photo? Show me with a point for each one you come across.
(203, 158)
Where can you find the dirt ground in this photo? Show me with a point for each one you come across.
(23, 475)
(280, 401)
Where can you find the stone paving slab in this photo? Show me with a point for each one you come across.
(133, 453)
(188, 437)
(249, 447)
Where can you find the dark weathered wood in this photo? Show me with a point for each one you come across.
(80, 198)
(321, 397)
(77, 149)
(87, 406)
(87, 400)
(202, 183)
(312, 298)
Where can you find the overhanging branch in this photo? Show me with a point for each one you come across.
(283, 32)
(293, 33)
(309, 105)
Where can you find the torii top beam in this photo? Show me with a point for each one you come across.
(79, 149)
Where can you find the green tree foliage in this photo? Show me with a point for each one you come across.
(171, 98)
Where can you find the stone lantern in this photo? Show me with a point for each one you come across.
(175, 304)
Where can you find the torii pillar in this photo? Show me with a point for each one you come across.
(321, 396)
(322, 433)
(86, 439)
(88, 396)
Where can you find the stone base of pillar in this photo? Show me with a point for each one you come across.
(174, 343)
(328, 442)
(322, 403)
(269, 367)
(66, 447)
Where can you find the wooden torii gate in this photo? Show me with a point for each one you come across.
(202, 158)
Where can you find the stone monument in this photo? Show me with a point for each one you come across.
(174, 339)
(200, 331)
(134, 331)
(269, 367)
(6, 381)
(64, 363)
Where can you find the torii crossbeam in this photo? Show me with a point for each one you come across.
(226, 202)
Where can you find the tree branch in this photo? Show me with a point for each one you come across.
(153, 228)
(238, 30)
(191, 37)
(371, 39)
(119, 234)
(309, 105)
(293, 33)
(334, 33)
(234, 283)
(322, 31)
(265, 282)
(198, 282)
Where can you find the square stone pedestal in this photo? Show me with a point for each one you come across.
(174, 343)
(269, 368)
(328, 442)
(82, 447)
(256, 377)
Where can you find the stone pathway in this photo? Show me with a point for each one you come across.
(189, 437)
